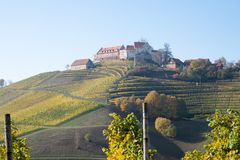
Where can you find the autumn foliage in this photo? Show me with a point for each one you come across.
(165, 105)
(20, 147)
(165, 127)
(224, 138)
(125, 140)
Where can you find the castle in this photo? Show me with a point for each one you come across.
(139, 50)
(123, 52)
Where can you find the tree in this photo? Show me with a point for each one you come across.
(225, 138)
(165, 127)
(230, 65)
(167, 53)
(237, 64)
(198, 69)
(20, 147)
(125, 140)
(2, 83)
(152, 98)
(165, 105)
(221, 60)
(117, 102)
(132, 100)
(139, 102)
(124, 104)
(171, 107)
(67, 67)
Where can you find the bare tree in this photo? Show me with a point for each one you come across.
(67, 67)
(237, 64)
(2, 83)
(167, 49)
(166, 53)
(221, 60)
(230, 65)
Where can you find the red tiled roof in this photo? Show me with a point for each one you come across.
(130, 47)
(139, 44)
(176, 60)
(80, 62)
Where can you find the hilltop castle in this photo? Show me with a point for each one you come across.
(139, 50)
(123, 52)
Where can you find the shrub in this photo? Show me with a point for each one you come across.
(165, 127)
(20, 147)
(124, 104)
(125, 140)
(165, 105)
(88, 137)
(132, 100)
(152, 98)
(127, 104)
(138, 102)
(117, 102)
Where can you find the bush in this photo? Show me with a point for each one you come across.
(132, 100)
(87, 137)
(20, 147)
(165, 105)
(165, 127)
(203, 70)
(139, 102)
(125, 140)
(124, 105)
(128, 104)
(224, 138)
(152, 98)
(117, 102)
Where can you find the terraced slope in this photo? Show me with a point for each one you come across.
(200, 98)
(54, 97)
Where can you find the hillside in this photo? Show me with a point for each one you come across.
(202, 98)
(63, 113)
(54, 97)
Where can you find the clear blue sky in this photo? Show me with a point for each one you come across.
(44, 35)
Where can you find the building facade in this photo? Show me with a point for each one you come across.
(174, 64)
(81, 64)
(109, 53)
(122, 52)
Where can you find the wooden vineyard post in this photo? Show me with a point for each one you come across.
(145, 132)
(8, 137)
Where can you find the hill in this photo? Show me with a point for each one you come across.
(63, 113)
(54, 97)
(201, 98)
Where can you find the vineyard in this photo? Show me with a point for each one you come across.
(51, 98)
(201, 98)
(62, 115)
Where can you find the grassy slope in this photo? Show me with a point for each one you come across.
(68, 139)
(54, 97)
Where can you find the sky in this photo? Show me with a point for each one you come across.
(46, 35)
